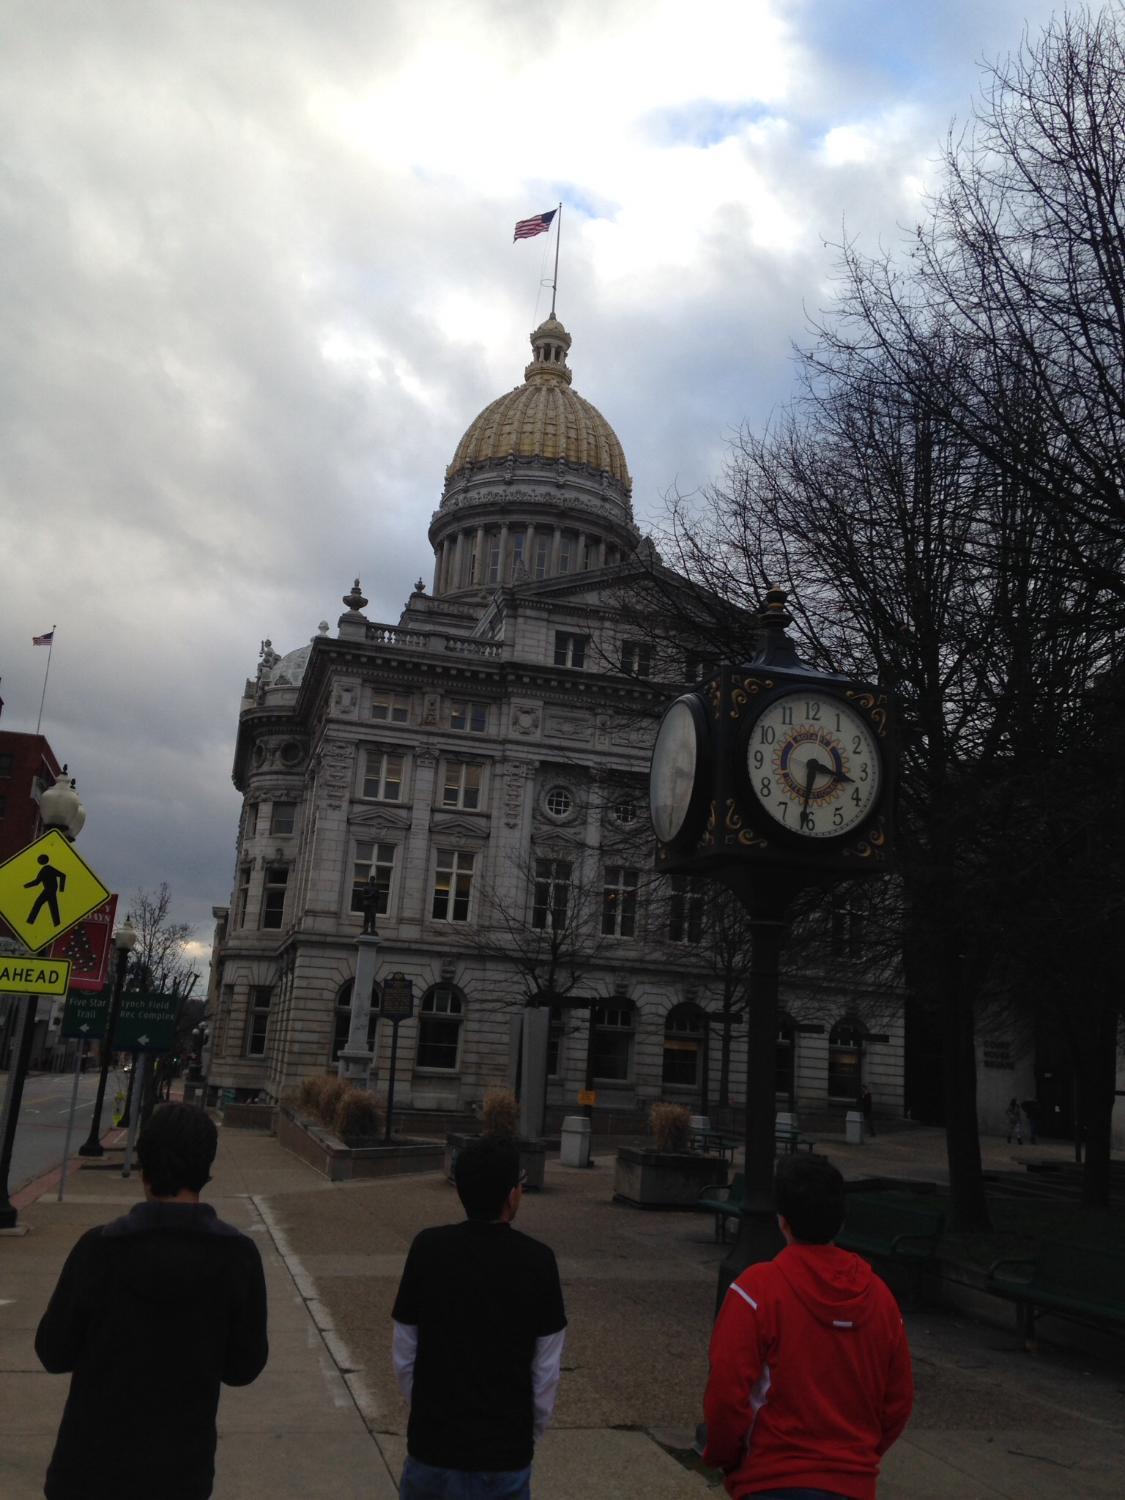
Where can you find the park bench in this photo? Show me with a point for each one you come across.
(788, 1140)
(881, 1227)
(1082, 1282)
(725, 1200)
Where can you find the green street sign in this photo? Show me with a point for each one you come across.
(146, 1022)
(85, 1015)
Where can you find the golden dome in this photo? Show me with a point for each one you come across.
(543, 419)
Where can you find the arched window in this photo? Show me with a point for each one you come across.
(343, 1019)
(684, 1039)
(613, 1040)
(845, 1059)
(439, 1029)
(783, 1067)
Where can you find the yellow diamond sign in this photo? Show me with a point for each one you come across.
(45, 889)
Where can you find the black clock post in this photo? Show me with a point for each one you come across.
(772, 777)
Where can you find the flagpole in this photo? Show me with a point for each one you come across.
(46, 674)
(555, 282)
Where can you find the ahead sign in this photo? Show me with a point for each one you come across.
(34, 976)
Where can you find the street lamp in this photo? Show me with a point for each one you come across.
(123, 940)
(59, 808)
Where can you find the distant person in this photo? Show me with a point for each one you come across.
(150, 1315)
(810, 1378)
(867, 1105)
(1031, 1111)
(478, 1339)
(1015, 1122)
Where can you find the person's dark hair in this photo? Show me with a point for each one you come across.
(809, 1192)
(486, 1171)
(176, 1148)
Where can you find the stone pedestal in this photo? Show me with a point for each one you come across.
(533, 1071)
(354, 1064)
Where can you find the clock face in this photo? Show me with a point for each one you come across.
(674, 776)
(814, 764)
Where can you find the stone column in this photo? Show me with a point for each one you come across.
(439, 558)
(504, 573)
(533, 1091)
(354, 1064)
(481, 568)
(556, 541)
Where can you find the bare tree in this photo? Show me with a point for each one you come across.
(160, 959)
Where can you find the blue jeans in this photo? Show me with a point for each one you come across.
(427, 1482)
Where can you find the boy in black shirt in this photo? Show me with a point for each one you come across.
(478, 1338)
(150, 1315)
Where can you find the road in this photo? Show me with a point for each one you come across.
(41, 1130)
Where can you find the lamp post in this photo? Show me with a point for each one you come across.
(59, 808)
(123, 940)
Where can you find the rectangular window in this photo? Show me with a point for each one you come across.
(382, 776)
(542, 556)
(6, 763)
(378, 860)
(636, 659)
(242, 897)
(470, 718)
(613, 1042)
(273, 895)
(552, 894)
(461, 785)
(453, 885)
(619, 902)
(258, 1020)
(568, 545)
(519, 545)
(251, 820)
(393, 708)
(570, 650)
(3, 806)
(283, 818)
(492, 555)
(685, 910)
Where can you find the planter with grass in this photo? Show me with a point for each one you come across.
(500, 1117)
(666, 1174)
(338, 1130)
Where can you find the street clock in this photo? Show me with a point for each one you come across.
(771, 763)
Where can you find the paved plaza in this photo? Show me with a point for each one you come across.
(326, 1420)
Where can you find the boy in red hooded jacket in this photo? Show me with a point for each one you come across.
(810, 1378)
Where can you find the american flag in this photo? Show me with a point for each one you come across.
(526, 229)
(43, 640)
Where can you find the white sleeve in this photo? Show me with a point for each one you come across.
(404, 1347)
(545, 1366)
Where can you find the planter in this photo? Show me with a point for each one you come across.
(249, 1116)
(340, 1163)
(647, 1178)
(533, 1156)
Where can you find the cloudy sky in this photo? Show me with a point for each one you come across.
(258, 276)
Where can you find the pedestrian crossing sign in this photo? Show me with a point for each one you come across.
(46, 889)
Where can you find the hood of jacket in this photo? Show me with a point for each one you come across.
(833, 1285)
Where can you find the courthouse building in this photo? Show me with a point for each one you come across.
(485, 760)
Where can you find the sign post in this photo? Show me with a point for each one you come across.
(84, 1020)
(397, 1006)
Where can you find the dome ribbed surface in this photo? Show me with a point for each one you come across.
(543, 419)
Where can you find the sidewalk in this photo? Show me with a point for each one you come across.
(326, 1420)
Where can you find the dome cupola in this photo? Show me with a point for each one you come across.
(538, 486)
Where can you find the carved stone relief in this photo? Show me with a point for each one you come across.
(337, 760)
(345, 702)
(569, 726)
(516, 775)
(526, 719)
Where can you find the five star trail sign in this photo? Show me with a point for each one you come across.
(46, 889)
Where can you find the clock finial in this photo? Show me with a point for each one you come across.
(776, 649)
